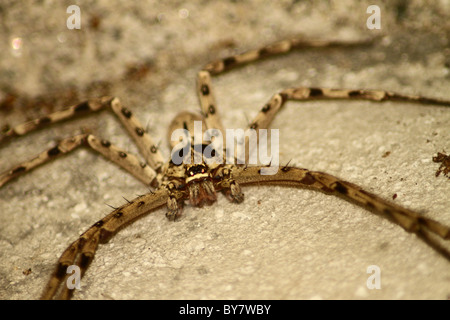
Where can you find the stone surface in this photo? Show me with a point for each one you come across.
(280, 243)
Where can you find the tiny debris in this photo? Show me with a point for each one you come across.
(7, 102)
(394, 196)
(27, 271)
(387, 153)
(94, 22)
(138, 71)
(445, 166)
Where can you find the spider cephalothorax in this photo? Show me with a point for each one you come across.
(189, 168)
(197, 179)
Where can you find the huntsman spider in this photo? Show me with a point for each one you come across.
(199, 182)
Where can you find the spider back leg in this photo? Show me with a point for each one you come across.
(82, 108)
(125, 160)
(144, 142)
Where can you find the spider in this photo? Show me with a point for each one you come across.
(199, 183)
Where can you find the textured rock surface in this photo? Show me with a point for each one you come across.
(280, 243)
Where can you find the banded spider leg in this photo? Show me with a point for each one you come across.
(142, 171)
(277, 101)
(81, 252)
(409, 220)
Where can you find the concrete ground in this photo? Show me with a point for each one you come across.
(280, 243)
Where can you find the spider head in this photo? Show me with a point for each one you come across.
(200, 185)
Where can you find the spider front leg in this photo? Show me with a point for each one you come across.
(208, 101)
(281, 47)
(81, 252)
(144, 142)
(430, 231)
(205, 92)
(268, 111)
(123, 159)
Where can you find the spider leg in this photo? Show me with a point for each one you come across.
(206, 96)
(277, 48)
(425, 228)
(268, 111)
(175, 199)
(208, 102)
(275, 104)
(82, 251)
(230, 188)
(265, 116)
(83, 108)
(123, 159)
(204, 89)
(144, 142)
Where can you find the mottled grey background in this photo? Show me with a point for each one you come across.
(280, 243)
